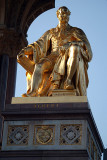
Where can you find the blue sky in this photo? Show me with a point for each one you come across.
(91, 17)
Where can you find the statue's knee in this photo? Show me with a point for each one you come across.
(74, 50)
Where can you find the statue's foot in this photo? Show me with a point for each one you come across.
(24, 95)
(68, 85)
(53, 87)
(32, 94)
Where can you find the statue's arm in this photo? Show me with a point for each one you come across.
(26, 51)
(84, 44)
(38, 49)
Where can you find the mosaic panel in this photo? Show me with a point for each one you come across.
(44, 134)
(17, 135)
(70, 134)
(92, 148)
(99, 157)
(89, 141)
(95, 153)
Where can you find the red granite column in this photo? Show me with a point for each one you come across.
(11, 42)
(4, 61)
(11, 81)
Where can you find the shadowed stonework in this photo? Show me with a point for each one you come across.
(60, 127)
(15, 19)
(51, 130)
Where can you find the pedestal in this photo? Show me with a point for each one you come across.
(47, 129)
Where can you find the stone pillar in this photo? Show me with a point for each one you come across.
(11, 42)
(4, 61)
(105, 154)
(11, 82)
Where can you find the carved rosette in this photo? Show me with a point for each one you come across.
(70, 134)
(11, 42)
(18, 135)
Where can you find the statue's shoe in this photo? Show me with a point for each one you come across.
(32, 94)
(53, 87)
(68, 85)
(24, 95)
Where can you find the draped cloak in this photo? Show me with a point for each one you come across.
(48, 47)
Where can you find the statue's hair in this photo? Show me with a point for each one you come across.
(63, 8)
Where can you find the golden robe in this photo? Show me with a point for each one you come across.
(48, 48)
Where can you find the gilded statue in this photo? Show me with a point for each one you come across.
(58, 60)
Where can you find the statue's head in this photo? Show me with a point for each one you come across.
(63, 14)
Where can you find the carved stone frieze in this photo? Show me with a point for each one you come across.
(92, 147)
(70, 134)
(17, 135)
(46, 135)
(11, 42)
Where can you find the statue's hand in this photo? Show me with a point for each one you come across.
(28, 50)
(21, 53)
(62, 50)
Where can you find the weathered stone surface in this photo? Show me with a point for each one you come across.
(4, 62)
(45, 135)
(51, 128)
(11, 42)
(56, 99)
(44, 155)
(11, 81)
(19, 14)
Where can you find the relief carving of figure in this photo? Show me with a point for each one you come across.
(59, 59)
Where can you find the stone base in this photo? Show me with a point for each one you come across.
(62, 92)
(47, 131)
(50, 100)
(44, 155)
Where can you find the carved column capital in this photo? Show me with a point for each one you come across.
(11, 42)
